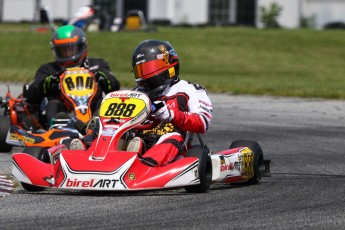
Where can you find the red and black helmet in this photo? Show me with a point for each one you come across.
(69, 46)
(155, 64)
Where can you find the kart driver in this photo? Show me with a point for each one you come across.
(181, 106)
(69, 46)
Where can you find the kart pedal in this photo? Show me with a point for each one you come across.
(135, 145)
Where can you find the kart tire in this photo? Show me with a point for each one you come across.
(5, 125)
(258, 157)
(41, 154)
(204, 169)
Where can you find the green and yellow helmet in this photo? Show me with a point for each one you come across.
(69, 46)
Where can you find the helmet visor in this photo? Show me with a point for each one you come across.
(68, 50)
(154, 82)
(146, 68)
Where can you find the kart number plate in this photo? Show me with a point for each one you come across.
(247, 161)
(78, 82)
(122, 107)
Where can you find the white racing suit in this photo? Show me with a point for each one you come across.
(192, 109)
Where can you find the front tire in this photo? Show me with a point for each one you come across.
(5, 125)
(41, 154)
(258, 157)
(204, 169)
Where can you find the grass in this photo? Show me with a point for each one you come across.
(302, 63)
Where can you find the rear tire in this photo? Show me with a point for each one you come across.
(204, 169)
(41, 154)
(5, 125)
(258, 157)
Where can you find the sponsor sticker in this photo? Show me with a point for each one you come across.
(131, 176)
(108, 132)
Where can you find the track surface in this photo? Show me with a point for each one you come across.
(303, 138)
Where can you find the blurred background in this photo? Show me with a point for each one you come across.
(263, 47)
(108, 14)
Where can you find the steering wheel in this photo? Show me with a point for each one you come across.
(149, 123)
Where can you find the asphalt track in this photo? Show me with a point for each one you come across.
(304, 138)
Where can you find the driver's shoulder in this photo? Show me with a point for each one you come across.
(96, 61)
(49, 68)
(188, 87)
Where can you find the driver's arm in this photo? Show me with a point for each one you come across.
(34, 94)
(199, 116)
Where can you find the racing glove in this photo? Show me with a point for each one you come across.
(51, 84)
(103, 81)
(162, 112)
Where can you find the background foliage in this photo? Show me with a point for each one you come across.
(303, 63)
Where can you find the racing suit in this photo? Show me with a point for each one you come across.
(35, 92)
(192, 112)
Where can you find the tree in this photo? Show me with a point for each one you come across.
(269, 16)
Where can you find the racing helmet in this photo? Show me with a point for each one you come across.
(155, 65)
(69, 46)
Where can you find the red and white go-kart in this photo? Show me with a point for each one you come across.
(108, 165)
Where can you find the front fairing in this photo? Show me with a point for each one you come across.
(103, 166)
(78, 89)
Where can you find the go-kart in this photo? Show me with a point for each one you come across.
(21, 127)
(16, 112)
(109, 165)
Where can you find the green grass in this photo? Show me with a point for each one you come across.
(303, 63)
